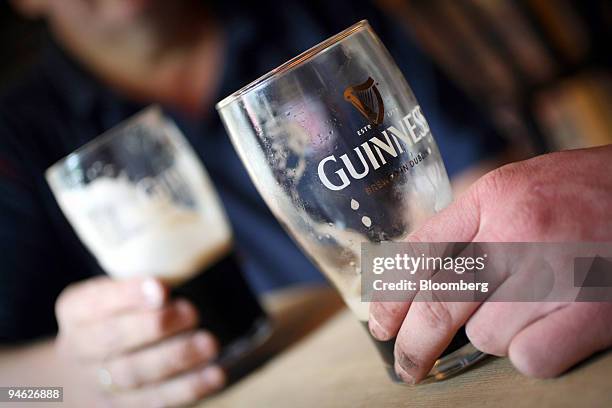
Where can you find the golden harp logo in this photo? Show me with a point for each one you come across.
(366, 98)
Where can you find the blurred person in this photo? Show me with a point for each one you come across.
(107, 60)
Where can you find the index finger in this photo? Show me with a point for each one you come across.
(101, 297)
(459, 222)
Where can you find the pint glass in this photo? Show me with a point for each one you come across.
(141, 201)
(340, 150)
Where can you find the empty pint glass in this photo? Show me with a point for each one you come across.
(340, 150)
(141, 201)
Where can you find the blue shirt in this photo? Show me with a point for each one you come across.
(59, 106)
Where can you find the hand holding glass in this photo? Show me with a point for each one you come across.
(141, 201)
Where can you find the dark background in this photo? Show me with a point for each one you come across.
(540, 68)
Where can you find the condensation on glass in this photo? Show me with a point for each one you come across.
(341, 152)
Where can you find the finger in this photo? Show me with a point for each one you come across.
(386, 318)
(551, 345)
(166, 359)
(125, 333)
(97, 298)
(494, 325)
(425, 333)
(185, 389)
(459, 222)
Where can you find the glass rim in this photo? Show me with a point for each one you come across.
(103, 138)
(294, 62)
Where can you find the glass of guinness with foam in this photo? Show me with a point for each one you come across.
(141, 201)
(340, 150)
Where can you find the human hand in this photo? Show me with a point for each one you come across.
(143, 348)
(565, 196)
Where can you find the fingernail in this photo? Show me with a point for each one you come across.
(407, 378)
(205, 344)
(377, 330)
(213, 377)
(153, 292)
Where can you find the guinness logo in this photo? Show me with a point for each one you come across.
(366, 98)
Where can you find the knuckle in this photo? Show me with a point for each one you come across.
(62, 304)
(162, 321)
(388, 313)
(527, 196)
(72, 296)
(60, 308)
(185, 350)
(193, 389)
(188, 313)
(494, 181)
(178, 316)
(435, 315)
(190, 350)
(183, 353)
(501, 181)
(404, 357)
(123, 374)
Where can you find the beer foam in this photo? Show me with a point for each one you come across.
(133, 234)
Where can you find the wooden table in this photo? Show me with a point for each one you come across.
(320, 356)
(337, 366)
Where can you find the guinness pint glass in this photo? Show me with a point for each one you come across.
(340, 150)
(140, 200)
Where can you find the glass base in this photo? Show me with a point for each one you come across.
(446, 366)
(454, 363)
(257, 335)
(459, 355)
